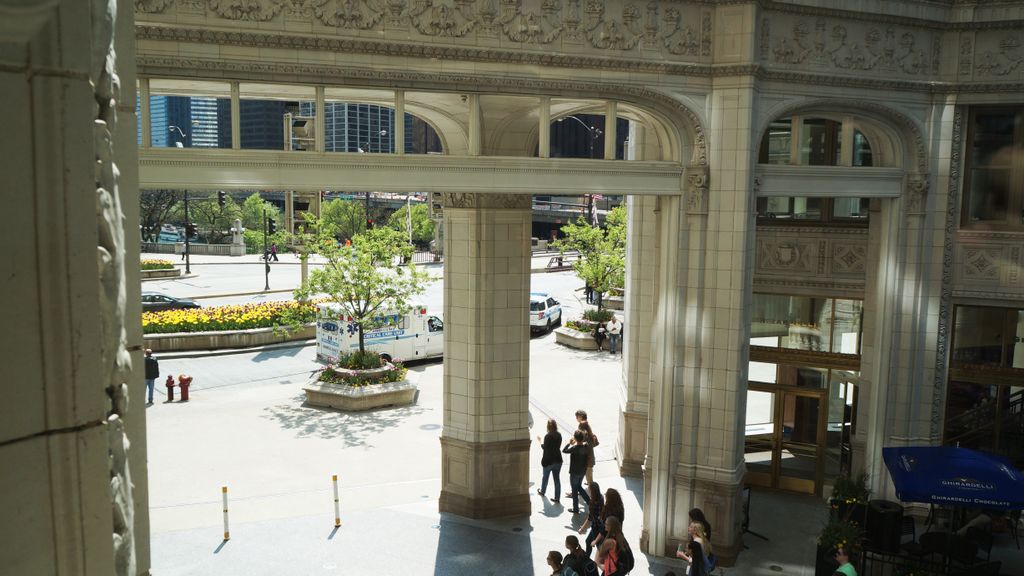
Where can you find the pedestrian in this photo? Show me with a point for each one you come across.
(612, 507)
(576, 558)
(273, 252)
(845, 568)
(614, 554)
(697, 515)
(599, 334)
(692, 552)
(577, 450)
(152, 373)
(591, 444)
(698, 538)
(614, 328)
(554, 560)
(588, 291)
(551, 459)
(595, 516)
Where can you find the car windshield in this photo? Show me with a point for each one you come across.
(536, 306)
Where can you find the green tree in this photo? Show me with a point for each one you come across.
(365, 278)
(602, 261)
(252, 212)
(213, 221)
(342, 219)
(156, 207)
(422, 225)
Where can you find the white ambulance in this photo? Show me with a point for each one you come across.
(415, 335)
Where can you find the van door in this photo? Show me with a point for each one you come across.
(434, 337)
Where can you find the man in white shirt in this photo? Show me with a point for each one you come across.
(614, 329)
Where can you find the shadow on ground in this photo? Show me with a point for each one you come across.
(354, 428)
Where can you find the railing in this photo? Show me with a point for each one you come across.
(877, 563)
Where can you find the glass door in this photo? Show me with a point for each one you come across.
(785, 438)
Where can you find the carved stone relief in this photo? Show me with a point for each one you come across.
(113, 289)
(806, 257)
(849, 259)
(917, 196)
(1002, 59)
(849, 45)
(980, 263)
(471, 200)
(697, 187)
(617, 26)
(966, 53)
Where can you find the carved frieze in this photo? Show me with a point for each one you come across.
(247, 10)
(850, 45)
(471, 200)
(916, 196)
(1001, 59)
(348, 14)
(697, 186)
(989, 263)
(810, 257)
(980, 263)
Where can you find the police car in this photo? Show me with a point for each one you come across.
(545, 312)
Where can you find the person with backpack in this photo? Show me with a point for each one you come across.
(577, 450)
(558, 567)
(577, 559)
(612, 507)
(615, 555)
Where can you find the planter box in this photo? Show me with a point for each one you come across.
(168, 273)
(358, 398)
(224, 339)
(575, 338)
(613, 302)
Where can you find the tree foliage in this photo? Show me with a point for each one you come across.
(366, 278)
(342, 219)
(156, 207)
(252, 212)
(602, 261)
(213, 221)
(422, 225)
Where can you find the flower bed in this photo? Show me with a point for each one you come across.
(235, 317)
(352, 385)
(157, 265)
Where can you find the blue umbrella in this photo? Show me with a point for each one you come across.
(954, 477)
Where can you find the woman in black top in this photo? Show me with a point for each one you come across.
(595, 516)
(551, 460)
(578, 450)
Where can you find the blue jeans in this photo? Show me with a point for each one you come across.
(553, 470)
(613, 343)
(150, 382)
(576, 485)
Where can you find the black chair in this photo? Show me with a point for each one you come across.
(908, 527)
(961, 549)
(938, 514)
(1014, 521)
(982, 538)
(982, 569)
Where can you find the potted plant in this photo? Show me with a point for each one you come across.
(837, 533)
(360, 381)
(849, 499)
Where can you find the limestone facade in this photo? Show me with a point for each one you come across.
(704, 81)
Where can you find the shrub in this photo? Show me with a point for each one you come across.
(235, 317)
(157, 265)
(601, 316)
(343, 376)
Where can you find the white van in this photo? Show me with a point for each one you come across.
(415, 335)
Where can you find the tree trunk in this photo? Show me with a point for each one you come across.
(304, 260)
(360, 327)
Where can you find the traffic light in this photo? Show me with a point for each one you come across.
(190, 229)
(271, 226)
(221, 198)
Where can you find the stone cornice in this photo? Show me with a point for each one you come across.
(802, 10)
(532, 58)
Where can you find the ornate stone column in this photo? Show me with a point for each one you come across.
(485, 441)
(641, 282)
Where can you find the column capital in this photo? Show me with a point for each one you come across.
(471, 200)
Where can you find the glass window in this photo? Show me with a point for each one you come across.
(786, 210)
(994, 175)
(806, 323)
(861, 149)
(850, 208)
(820, 142)
(775, 146)
(190, 122)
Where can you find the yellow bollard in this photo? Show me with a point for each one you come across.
(224, 491)
(337, 505)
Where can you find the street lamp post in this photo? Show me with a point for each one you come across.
(180, 144)
(594, 132)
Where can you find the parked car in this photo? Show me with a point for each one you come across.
(545, 312)
(155, 301)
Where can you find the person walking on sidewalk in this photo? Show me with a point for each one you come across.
(614, 328)
(551, 459)
(577, 450)
(273, 252)
(152, 373)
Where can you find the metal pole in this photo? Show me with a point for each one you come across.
(408, 213)
(188, 262)
(224, 492)
(367, 207)
(266, 261)
(337, 505)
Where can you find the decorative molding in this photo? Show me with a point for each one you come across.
(471, 200)
(697, 187)
(916, 196)
(849, 259)
(1002, 61)
(943, 327)
(247, 10)
(845, 45)
(980, 263)
(113, 291)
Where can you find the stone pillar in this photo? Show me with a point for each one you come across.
(68, 157)
(236, 116)
(399, 126)
(641, 282)
(485, 442)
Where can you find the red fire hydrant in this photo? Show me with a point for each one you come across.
(183, 382)
(170, 388)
